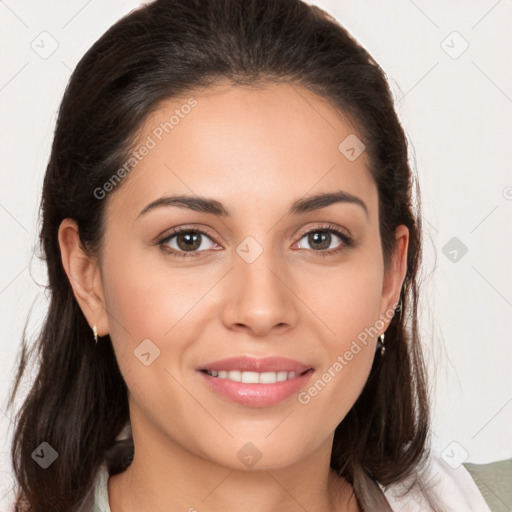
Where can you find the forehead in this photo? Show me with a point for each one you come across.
(248, 145)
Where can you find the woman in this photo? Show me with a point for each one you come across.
(232, 250)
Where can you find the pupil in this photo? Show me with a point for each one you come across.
(191, 241)
(320, 237)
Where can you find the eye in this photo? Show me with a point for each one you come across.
(186, 240)
(190, 242)
(320, 240)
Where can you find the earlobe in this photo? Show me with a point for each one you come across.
(84, 276)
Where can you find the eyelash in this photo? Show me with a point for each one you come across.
(347, 241)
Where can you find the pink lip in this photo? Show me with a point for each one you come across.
(257, 395)
(252, 364)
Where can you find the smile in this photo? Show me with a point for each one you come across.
(253, 377)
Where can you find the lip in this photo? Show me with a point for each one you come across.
(252, 364)
(256, 395)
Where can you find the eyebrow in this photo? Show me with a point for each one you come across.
(214, 207)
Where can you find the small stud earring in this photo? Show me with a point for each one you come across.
(381, 343)
(95, 333)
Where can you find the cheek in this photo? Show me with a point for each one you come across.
(146, 299)
(142, 302)
(348, 300)
(335, 389)
(349, 354)
(348, 306)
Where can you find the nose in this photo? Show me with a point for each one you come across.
(260, 297)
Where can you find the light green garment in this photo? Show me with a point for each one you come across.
(495, 483)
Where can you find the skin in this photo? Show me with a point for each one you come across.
(256, 151)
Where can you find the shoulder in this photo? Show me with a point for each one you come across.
(448, 489)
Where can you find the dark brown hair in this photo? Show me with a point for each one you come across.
(78, 401)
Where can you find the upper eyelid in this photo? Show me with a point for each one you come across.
(326, 227)
(177, 231)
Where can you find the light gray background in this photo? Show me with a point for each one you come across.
(456, 108)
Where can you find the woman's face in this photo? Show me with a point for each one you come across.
(255, 273)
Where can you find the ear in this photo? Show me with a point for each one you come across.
(84, 275)
(394, 274)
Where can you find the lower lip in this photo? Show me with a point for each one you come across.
(257, 395)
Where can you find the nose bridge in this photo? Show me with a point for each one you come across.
(256, 266)
(259, 298)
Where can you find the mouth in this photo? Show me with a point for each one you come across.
(249, 377)
(256, 365)
(256, 382)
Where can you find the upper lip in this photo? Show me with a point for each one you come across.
(252, 364)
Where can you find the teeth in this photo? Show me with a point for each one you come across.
(282, 376)
(252, 377)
